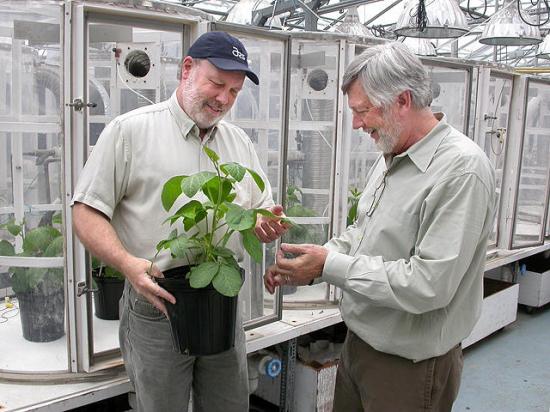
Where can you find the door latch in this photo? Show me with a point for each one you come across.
(82, 288)
(78, 104)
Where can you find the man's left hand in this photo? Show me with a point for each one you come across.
(301, 270)
(267, 228)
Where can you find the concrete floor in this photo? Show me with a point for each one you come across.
(510, 370)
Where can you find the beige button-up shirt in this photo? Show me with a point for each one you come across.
(411, 267)
(138, 152)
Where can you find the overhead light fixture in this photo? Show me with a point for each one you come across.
(352, 24)
(543, 51)
(420, 47)
(440, 19)
(506, 28)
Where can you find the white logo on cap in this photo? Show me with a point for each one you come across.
(237, 53)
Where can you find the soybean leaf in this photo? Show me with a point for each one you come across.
(238, 218)
(171, 191)
(113, 273)
(230, 261)
(26, 279)
(259, 182)
(222, 210)
(165, 244)
(55, 248)
(212, 189)
(211, 154)
(203, 274)
(38, 239)
(223, 251)
(192, 210)
(57, 218)
(228, 281)
(252, 245)
(13, 228)
(265, 212)
(234, 170)
(6, 248)
(181, 245)
(192, 184)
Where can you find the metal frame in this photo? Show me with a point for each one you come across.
(281, 190)
(17, 125)
(511, 164)
(468, 67)
(518, 177)
(484, 77)
(83, 357)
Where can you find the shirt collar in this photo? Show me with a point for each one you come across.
(184, 122)
(422, 152)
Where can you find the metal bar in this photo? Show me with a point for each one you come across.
(391, 6)
(289, 5)
(286, 398)
(19, 127)
(32, 262)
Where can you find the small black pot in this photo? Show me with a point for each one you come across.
(42, 316)
(107, 297)
(202, 320)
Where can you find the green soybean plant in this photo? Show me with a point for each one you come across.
(212, 261)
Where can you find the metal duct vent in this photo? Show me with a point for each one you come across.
(137, 63)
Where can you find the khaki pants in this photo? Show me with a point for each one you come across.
(373, 381)
(163, 378)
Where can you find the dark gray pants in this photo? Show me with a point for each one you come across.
(163, 378)
(373, 381)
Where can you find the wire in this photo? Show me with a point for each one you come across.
(535, 3)
(5, 312)
(469, 11)
(421, 17)
(125, 84)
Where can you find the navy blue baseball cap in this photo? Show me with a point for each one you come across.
(223, 51)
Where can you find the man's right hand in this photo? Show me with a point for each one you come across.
(141, 274)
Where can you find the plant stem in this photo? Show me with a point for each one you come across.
(211, 246)
(152, 262)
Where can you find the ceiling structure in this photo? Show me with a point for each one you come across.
(500, 24)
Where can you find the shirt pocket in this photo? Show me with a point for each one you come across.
(393, 234)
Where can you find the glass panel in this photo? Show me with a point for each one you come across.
(535, 162)
(449, 92)
(109, 85)
(115, 92)
(32, 310)
(314, 93)
(500, 90)
(258, 111)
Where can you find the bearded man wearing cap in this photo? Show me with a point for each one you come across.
(118, 216)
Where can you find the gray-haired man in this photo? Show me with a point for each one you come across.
(411, 267)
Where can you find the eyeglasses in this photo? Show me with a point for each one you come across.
(377, 194)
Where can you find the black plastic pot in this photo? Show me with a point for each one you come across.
(202, 320)
(107, 297)
(42, 316)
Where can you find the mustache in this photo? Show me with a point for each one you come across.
(215, 105)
